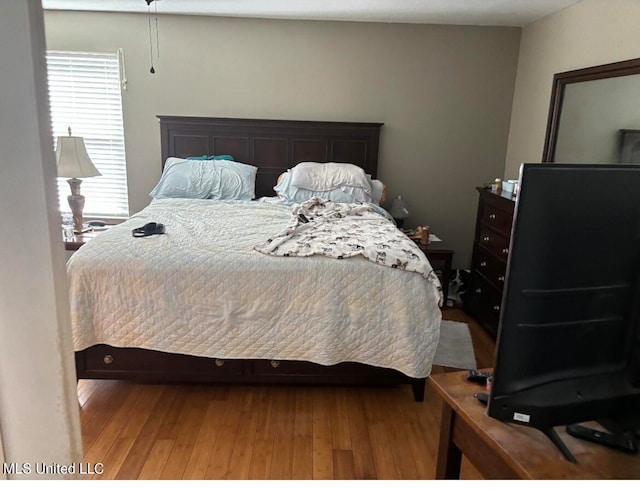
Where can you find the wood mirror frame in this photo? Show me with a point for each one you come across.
(561, 80)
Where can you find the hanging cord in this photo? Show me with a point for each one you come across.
(123, 73)
(155, 5)
(151, 70)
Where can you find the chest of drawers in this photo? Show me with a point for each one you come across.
(489, 259)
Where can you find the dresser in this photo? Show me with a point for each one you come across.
(489, 260)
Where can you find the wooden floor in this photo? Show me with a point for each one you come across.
(142, 431)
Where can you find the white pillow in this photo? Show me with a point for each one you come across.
(342, 194)
(377, 188)
(316, 176)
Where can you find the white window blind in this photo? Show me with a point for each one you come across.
(84, 92)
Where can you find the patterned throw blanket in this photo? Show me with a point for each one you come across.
(342, 230)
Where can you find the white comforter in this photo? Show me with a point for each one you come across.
(202, 289)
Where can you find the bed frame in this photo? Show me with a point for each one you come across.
(273, 146)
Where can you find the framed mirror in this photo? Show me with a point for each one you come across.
(594, 115)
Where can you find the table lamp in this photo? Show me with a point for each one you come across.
(74, 162)
(399, 210)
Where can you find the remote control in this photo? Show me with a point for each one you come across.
(627, 444)
(483, 397)
(478, 376)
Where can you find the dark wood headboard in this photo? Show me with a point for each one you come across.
(271, 145)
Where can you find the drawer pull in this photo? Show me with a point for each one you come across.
(505, 250)
(501, 279)
(492, 216)
(108, 359)
(483, 264)
(478, 290)
(275, 363)
(219, 362)
(496, 308)
(486, 239)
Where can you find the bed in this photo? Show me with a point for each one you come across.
(201, 304)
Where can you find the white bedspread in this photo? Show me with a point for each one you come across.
(201, 289)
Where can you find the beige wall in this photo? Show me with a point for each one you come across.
(592, 32)
(444, 94)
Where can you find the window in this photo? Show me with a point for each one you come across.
(84, 93)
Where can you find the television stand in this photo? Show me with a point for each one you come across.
(507, 451)
(557, 441)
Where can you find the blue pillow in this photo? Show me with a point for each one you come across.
(211, 157)
(235, 180)
(198, 179)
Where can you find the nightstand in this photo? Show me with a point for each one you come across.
(81, 239)
(440, 257)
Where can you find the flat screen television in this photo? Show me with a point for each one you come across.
(568, 343)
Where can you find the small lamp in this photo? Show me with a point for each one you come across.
(399, 210)
(74, 162)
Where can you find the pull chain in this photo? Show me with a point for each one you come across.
(155, 5)
(152, 69)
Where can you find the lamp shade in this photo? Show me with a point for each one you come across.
(72, 158)
(399, 208)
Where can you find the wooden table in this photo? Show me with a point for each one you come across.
(506, 451)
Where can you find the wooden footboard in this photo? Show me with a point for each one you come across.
(107, 362)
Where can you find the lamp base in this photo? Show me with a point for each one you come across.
(76, 203)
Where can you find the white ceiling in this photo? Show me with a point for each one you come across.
(465, 12)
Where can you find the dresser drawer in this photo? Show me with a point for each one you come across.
(483, 314)
(486, 294)
(496, 218)
(494, 242)
(306, 372)
(490, 266)
(101, 358)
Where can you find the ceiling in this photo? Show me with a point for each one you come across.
(462, 12)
